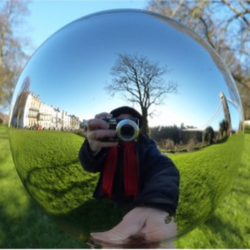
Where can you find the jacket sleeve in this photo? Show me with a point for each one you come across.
(89, 162)
(160, 185)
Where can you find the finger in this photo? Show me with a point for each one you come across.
(99, 134)
(107, 245)
(94, 244)
(139, 241)
(94, 124)
(135, 241)
(108, 237)
(99, 144)
(103, 115)
(131, 224)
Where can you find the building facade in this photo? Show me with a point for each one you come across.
(29, 112)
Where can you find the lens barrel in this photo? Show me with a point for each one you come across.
(127, 130)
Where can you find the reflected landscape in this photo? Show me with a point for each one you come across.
(188, 102)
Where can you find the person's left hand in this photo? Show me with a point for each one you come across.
(141, 227)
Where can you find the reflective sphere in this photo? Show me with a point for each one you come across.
(116, 58)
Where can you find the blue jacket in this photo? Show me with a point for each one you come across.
(158, 176)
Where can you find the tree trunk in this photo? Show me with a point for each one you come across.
(144, 128)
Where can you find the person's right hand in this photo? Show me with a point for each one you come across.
(97, 130)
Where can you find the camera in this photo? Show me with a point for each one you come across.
(127, 129)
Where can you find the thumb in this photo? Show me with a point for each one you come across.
(131, 224)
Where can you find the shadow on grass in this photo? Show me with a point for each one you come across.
(32, 229)
(92, 216)
(65, 194)
(3, 136)
(223, 140)
(22, 223)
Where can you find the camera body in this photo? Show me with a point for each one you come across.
(127, 129)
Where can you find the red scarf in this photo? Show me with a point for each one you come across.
(130, 174)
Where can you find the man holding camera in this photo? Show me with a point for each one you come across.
(132, 171)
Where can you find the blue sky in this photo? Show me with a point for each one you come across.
(194, 70)
(48, 16)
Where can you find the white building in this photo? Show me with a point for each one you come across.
(247, 122)
(74, 122)
(45, 116)
(65, 120)
(30, 112)
(25, 111)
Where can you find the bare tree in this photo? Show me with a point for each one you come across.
(12, 56)
(226, 27)
(142, 82)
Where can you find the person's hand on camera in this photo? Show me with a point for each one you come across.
(98, 129)
(141, 227)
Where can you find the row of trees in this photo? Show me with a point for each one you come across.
(176, 134)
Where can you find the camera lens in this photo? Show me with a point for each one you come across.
(127, 130)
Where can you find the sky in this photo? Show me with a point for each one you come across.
(190, 106)
(48, 16)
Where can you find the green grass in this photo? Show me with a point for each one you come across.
(247, 129)
(206, 176)
(24, 225)
(228, 227)
(54, 178)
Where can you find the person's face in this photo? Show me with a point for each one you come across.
(125, 116)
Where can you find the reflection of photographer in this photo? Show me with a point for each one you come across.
(134, 172)
(126, 129)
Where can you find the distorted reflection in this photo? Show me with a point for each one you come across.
(180, 95)
(142, 82)
(30, 112)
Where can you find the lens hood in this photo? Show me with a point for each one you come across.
(127, 125)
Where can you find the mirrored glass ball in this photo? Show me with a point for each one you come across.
(188, 105)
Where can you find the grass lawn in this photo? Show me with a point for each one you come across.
(55, 179)
(206, 176)
(228, 227)
(23, 225)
